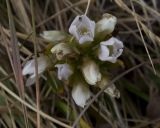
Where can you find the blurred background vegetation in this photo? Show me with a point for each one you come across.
(138, 27)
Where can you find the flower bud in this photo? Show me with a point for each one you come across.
(107, 24)
(61, 50)
(80, 94)
(111, 90)
(53, 35)
(82, 28)
(91, 72)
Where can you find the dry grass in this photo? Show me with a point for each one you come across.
(138, 77)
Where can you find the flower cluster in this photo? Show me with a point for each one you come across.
(79, 56)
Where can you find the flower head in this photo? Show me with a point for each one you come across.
(81, 94)
(107, 24)
(110, 50)
(82, 28)
(29, 68)
(64, 71)
(91, 72)
(61, 50)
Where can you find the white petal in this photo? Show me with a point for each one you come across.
(61, 50)
(92, 26)
(73, 27)
(89, 23)
(91, 72)
(85, 39)
(29, 68)
(111, 59)
(42, 64)
(64, 71)
(77, 27)
(113, 41)
(103, 53)
(53, 35)
(106, 24)
(113, 55)
(81, 94)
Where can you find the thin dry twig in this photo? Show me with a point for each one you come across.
(16, 60)
(36, 64)
(144, 43)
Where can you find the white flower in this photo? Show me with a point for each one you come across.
(107, 24)
(82, 28)
(53, 35)
(61, 50)
(110, 50)
(29, 68)
(81, 94)
(64, 71)
(111, 90)
(91, 72)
